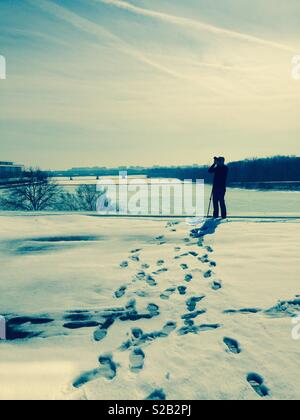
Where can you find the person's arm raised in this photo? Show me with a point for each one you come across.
(212, 169)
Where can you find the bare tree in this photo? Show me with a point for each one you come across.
(87, 196)
(35, 191)
(84, 199)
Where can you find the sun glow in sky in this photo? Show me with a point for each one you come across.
(143, 82)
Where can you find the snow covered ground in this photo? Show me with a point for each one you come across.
(106, 308)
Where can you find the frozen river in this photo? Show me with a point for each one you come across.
(240, 202)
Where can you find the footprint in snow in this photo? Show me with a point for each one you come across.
(191, 303)
(188, 278)
(153, 308)
(139, 338)
(74, 317)
(135, 258)
(167, 293)
(124, 264)
(216, 285)
(102, 330)
(208, 274)
(194, 329)
(100, 334)
(141, 293)
(137, 333)
(78, 325)
(120, 292)
(145, 266)
(87, 377)
(257, 383)
(169, 328)
(108, 370)
(182, 290)
(109, 366)
(131, 306)
(193, 315)
(161, 240)
(194, 253)
(184, 266)
(137, 360)
(151, 281)
(157, 395)
(209, 249)
(208, 327)
(232, 345)
(244, 311)
(178, 257)
(204, 259)
(140, 275)
(200, 242)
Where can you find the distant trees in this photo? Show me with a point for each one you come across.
(277, 168)
(36, 191)
(273, 169)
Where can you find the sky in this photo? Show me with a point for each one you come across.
(147, 82)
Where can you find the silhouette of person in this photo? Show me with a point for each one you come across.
(220, 171)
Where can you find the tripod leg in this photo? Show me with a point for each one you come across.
(210, 200)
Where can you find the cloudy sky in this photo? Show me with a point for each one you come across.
(142, 82)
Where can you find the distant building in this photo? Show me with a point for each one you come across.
(10, 170)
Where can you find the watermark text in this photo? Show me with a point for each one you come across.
(2, 67)
(150, 197)
(2, 328)
(296, 67)
(296, 328)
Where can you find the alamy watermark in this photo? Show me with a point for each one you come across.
(2, 328)
(296, 328)
(150, 197)
(296, 67)
(2, 67)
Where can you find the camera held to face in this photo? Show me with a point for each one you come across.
(219, 160)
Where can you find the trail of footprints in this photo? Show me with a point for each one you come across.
(108, 368)
(135, 344)
(138, 338)
(232, 346)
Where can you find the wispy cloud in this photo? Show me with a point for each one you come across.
(198, 25)
(26, 33)
(100, 32)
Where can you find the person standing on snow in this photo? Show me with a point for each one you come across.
(220, 171)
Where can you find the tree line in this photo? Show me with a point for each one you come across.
(272, 169)
(37, 190)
